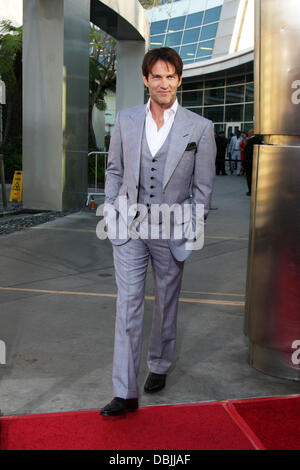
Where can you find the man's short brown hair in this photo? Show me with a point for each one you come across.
(162, 53)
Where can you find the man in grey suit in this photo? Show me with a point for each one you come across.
(160, 155)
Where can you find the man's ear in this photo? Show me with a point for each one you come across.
(145, 81)
(180, 81)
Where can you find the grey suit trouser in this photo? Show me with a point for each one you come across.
(131, 262)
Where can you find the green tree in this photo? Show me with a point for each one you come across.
(147, 4)
(11, 74)
(102, 73)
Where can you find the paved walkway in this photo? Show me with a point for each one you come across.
(57, 303)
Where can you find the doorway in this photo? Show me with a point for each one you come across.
(232, 127)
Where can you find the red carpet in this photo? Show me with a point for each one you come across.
(269, 423)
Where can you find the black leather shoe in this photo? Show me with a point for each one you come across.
(119, 406)
(155, 382)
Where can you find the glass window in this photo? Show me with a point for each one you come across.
(191, 35)
(214, 83)
(214, 113)
(192, 85)
(213, 14)
(188, 52)
(214, 96)
(194, 20)
(209, 31)
(200, 59)
(173, 39)
(249, 112)
(247, 126)
(250, 92)
(192, 98)
(159, 27)
(234, 113)
(197, 111)
(175, 24)
(250, 77)
(157, 41)
(235, 80)
(219, 127)
(188, 61)
(205, 48)
(235, 94)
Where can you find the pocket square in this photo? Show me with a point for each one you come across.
(191, 146)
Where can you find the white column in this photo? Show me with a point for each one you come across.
(130, 85)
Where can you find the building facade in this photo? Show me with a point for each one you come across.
(215, 39)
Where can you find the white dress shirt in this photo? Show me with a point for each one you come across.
(155, 137)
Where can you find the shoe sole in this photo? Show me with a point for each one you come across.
(119, 413)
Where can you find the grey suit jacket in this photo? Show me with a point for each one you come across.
(185, 166)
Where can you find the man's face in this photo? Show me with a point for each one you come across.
(162, 83)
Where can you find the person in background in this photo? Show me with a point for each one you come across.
(228, 152)
(234, 150)
(248, 157)
(221, 143)
(242, 146)
(107, 141)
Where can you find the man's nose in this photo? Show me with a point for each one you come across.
(164, 83)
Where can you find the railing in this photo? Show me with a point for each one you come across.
(97, 191)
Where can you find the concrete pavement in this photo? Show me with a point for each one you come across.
(57, 304)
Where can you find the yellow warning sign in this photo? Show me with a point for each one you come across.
(16, 188)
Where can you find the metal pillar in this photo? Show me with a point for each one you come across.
(55, 103)
(272, 321)
(2, 175)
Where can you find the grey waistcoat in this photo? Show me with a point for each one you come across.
(151, 178)
(152, 172)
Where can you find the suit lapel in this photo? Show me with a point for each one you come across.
(179, 138)
(138, 118)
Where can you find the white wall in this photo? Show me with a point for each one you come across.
(243, 33)
(247, 36)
